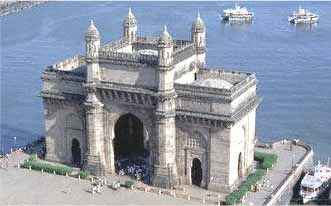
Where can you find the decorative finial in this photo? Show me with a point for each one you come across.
(91, 22)
(198, 16)
(165, 28)
(130, 12)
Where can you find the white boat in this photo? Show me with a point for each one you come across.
(237, 14)
(303, 16)
(315, 182)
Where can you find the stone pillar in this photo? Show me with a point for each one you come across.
(165, 168)
(95, 161)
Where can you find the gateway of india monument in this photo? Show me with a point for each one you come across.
(151, 97)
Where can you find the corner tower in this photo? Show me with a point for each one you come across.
(130, 27)
(92, 42)
(94, 157)
(199, 38)
(165, 169)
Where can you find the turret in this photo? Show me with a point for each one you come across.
(165, 48)
(199, 34)
(130, 27)
(92, 40)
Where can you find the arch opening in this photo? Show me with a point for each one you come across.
(130, 148)
(76, 153)
(196, 172)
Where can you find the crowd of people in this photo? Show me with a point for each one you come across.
(137, 167)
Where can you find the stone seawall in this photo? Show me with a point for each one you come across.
(8, 7)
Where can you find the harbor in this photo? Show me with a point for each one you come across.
(111, 128)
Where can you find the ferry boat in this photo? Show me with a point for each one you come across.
(315, 182)
(237, 14)
(303, 16)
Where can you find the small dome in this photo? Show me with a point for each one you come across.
(165, 37)
(198, 25)
(92, 30)
(130, 19)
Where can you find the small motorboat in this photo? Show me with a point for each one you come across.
(303, 16)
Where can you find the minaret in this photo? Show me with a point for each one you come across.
(199, 38)
(94, 157)
(130, 27)
(92, 40)
(165, 169)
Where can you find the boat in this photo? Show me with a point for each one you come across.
(315, 182)
(237, 14)
(303, 16)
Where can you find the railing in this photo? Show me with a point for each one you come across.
(147, 40)
(201, 90)
(129, 57)
(118, 44)
(183, 53)
(69, 64)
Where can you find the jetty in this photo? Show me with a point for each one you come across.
(294, 159)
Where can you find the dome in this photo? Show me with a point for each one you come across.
(130, 19)
(92, 30)
(198, 25)
(213, 83)
(165, 37)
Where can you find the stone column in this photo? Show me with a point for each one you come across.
(165, 168)
(95, 161)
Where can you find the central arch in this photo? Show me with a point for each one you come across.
(129, 137)
(131, 150)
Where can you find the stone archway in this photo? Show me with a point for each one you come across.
(130, 144)
(129, 137)
(196, 172)
(76, 153)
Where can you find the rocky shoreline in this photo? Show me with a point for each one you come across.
(8, 7)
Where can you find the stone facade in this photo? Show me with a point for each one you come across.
(189, 112)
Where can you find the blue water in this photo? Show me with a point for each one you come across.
(292, 63)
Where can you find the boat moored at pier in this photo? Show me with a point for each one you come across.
(315, 182)
(303, 16)
(237, 14)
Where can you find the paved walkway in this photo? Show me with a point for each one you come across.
(286, 159)
(21, 186)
